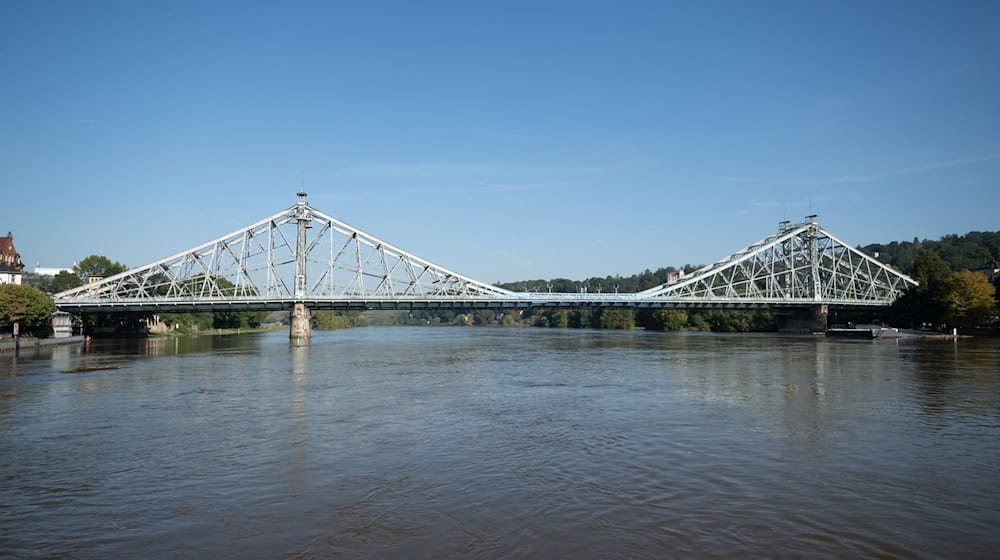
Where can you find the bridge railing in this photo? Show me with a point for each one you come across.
(513, 300)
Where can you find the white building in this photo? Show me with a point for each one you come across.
(50, 271)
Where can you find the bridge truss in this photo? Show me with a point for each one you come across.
(301, 255)
(798, 264)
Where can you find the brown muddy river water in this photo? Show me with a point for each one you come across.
(502, 443)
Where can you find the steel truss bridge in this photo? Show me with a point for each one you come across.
(303, 256)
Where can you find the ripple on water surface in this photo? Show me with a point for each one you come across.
(513, 443)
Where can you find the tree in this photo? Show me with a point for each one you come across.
(926, 302)
(63, 281)
(225, 319)
(484, 317)
(329, 320)
(699, 322)
(617, 319)
(25, 304)
(40, 281)
(97, 265)
(582, 318)
(188, 322)
(670, 319)
(968, 299)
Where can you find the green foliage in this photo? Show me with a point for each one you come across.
(960, 252)
(237, 319)
(582, 318)
(484, 317)
(225, 319)
(329, 321)
(698, 322)
(720, 320)
(65, 280)
(635, 283)
(40, 281)
(933, 273)
(670, 319)
(97, 265)
(61, 282)
(559, 319)
(25, 304)
(743, 320)
(333, 320)
(188, 322)
(623, 319)
(358, 319)
(926, 302)
(968, 300)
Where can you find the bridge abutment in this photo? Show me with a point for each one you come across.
(803, 320)
(299, 329)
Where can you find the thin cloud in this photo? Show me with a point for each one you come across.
(446, 177)
(814, 204)
(461, 171)
(943, 165)
(828, 181)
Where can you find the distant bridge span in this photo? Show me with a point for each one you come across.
(301, 258)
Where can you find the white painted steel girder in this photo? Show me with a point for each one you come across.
(261, 262)
(798, 263)
(303, 255)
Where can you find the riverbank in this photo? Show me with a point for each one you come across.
(214, 332)
(9, 345)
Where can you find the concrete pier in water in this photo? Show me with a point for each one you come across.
(299, 329)
(803, 320)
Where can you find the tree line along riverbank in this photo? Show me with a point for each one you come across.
(959, 282)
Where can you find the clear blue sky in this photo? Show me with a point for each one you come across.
(504, 140)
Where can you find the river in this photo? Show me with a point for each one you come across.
(457, 442)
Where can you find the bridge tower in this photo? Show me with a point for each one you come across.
(810, 319)
(814, 317)
(299, 329)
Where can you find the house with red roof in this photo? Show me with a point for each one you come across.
(11, 267)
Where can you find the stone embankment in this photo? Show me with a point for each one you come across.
(9, 344)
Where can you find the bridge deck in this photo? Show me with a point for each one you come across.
(525, 301)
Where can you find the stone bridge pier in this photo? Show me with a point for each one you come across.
(802, 319)
(299, 329)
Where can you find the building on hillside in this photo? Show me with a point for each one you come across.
(50, 270)
(11, 267)
(990, 269)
